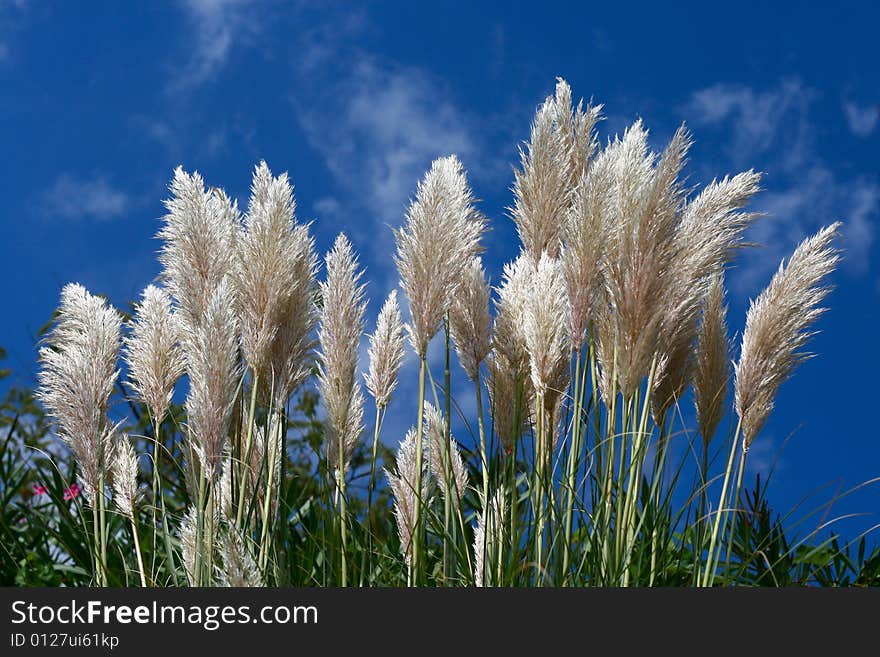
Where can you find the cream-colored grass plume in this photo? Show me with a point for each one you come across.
(200, 235)
(712, 371)
(292, 350)
(710, 231)
(339, 334)
(403, 486)
(542, 187)
(558, 152)
(239, 568)
(676, 345)
(226, 503)
(125, 472)
(712, 224)
(274, 280)
(576, 127)
(77, 375)
(212, 362)
(585, 237)
(441, 235)
(188, 534)
(469, 319)
(776, 328)
(645, 205)
(489, 526)
(385, 352)
(509, 382)
(545, 329)
(152, 351)
(436, 432)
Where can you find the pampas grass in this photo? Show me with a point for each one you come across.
(152, 352)
(77, 377)
(613, 309)
(342, 323)
(199, 236)
(386, 352)
(409, 485)
(213, 368)
(712, 371)
(441, 235)
(777, 328)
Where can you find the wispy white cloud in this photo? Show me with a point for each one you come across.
(377, 131)
(758, 122)
(216, 26)
(76, 198)
(861, 120)
(774, 129)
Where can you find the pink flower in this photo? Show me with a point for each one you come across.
(73, 491)
(39, 489)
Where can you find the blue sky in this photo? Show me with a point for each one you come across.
(100, 101)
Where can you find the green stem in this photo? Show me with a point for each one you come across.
(343, 521)
(447, 464)
(156, 492)
(372, 486)
(484, 455)
(137, 548)
(418, 524)
(609, 441)
(637, 463)
(102, 504)
(268, 517)
(710, 557)
(734, 511)
(246, 457)
(96, 528)
(573, 462)
(700, 524)
(484, 461)
(539, 490)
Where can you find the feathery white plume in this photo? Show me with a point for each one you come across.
(585, 236)
(710, 231)
(545, 324)
(441, 235)
(545, 319)
(342, 324)
(274, 270)
(239, 569)
(776, 328)
(509, 383)
(646, 199)
(188, 543)
(200, 235)
(542, 188)
(469, 319)
(436, 438)
(489, 525)
(712, 371)
(125, 471)
(576, 129)
(403, 486)
(385, 352)
(155, 361)
(77, 376)
(211, 350)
